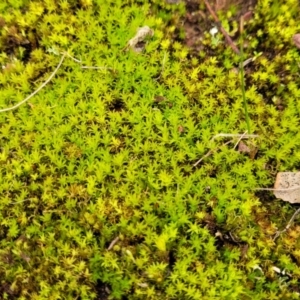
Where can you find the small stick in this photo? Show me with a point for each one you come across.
(16, 202)
(241, 137)
(233, 238)
(143, 285)
(210, 152)
(75, 59)
(38, 89)
(244, 136)
(96, 68)
(84, 67)
(278, 190)
(288, 225)
(247, 61)
(64, 54)
(113, 243)
(226, 35)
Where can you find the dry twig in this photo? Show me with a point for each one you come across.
(64, 55)
(244, 136)
(241, 137)
(279, 190)
(96, 68)
(210, 152)
(38, 89)
(113, 243)
(278, 233)
(226, 35)
(73, 58)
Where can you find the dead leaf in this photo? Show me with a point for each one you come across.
(287, 186)
(25, 257)
(253, 152)
(180, 129)
(159, 99)
(243, 148)
(2, 22)
(248, 16)
(296, 40)
(244, 250)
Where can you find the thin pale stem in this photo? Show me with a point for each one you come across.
(38, 89)
(244, 136)
(296, 213)
(210, 152)
(278, 190)
(243, 84)
(113, 243)
(226, 35)
(241, 137)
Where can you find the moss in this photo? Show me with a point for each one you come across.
(103, 155)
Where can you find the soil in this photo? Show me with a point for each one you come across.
(198, 21)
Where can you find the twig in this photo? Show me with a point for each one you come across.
(210, 152)
(244, 136)
(85, 67)
(75, 59)
(278, 190)
(64, 54)
(248, 61)
(38, 89)
(242, 74)
(233, 238)
(21, 201)
(113, 243)
(96, 68)
(241, 137)
(288, 225)
(226, 35)
(142, 284)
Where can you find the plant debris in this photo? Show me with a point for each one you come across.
(137, 43)
(287, 186)
(296, 40)
(244, 148)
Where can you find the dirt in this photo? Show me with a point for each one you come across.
(199, 20)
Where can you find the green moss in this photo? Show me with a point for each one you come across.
(103, 154)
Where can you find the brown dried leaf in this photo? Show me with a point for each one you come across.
(159, 98)
(180, 129)
(248, 16)
(287, 186)
(2, 22)
(251, 150)
(243, 148)
(25, 257)
(296, 40)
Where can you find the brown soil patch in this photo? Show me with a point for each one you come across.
(198, 21)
